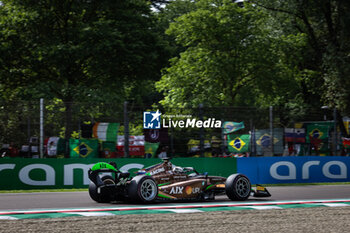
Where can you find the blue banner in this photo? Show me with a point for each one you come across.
(306, 169)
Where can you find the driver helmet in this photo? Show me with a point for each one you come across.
(177, 169)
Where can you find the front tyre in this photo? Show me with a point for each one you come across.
(143, 189)
(238, 187)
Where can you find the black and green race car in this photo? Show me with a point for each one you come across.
(165, 181)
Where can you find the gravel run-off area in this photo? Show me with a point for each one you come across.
(317, 219)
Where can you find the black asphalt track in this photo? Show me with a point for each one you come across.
(48, 200)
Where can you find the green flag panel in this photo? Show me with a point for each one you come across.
(151, 149)
(238, 143)
(317, 131)
(230, 126)
(83, 148)
(263, 141)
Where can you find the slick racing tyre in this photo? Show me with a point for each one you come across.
(93, 190)
(238, 187)
(143, 189)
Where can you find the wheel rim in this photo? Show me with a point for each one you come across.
(108, 181)
(148, 190)
(243, 187)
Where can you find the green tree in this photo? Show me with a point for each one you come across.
(327, 26)
(77, 50)
(233, 56)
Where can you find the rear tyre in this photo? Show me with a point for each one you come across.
(98, 197)
(93, 192)
(238, 187)
(143, 189)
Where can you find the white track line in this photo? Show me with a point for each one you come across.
(8, 218)
(335, 204)
(89, 214)
(181, 211)
(175, 206)
(265, 207)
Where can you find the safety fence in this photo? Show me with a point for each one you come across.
(111, 130)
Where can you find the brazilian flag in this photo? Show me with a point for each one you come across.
(263, 141)
(83, 148)
(151, 149)
(238, 143)
(317, 131)
(230, 126)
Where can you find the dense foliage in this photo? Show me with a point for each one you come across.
(77, 51)
(233, 56)
(293, 54)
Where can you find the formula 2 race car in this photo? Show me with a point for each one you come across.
(165, 181)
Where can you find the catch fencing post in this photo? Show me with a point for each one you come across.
(126, 130)
(271, 131)
(252, 138)
(201, 132)
(224, 143)
(335, 138)
(28, 128)
(172, 142)
(41, 128)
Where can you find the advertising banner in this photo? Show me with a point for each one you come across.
(303, 169)
(22, 174)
